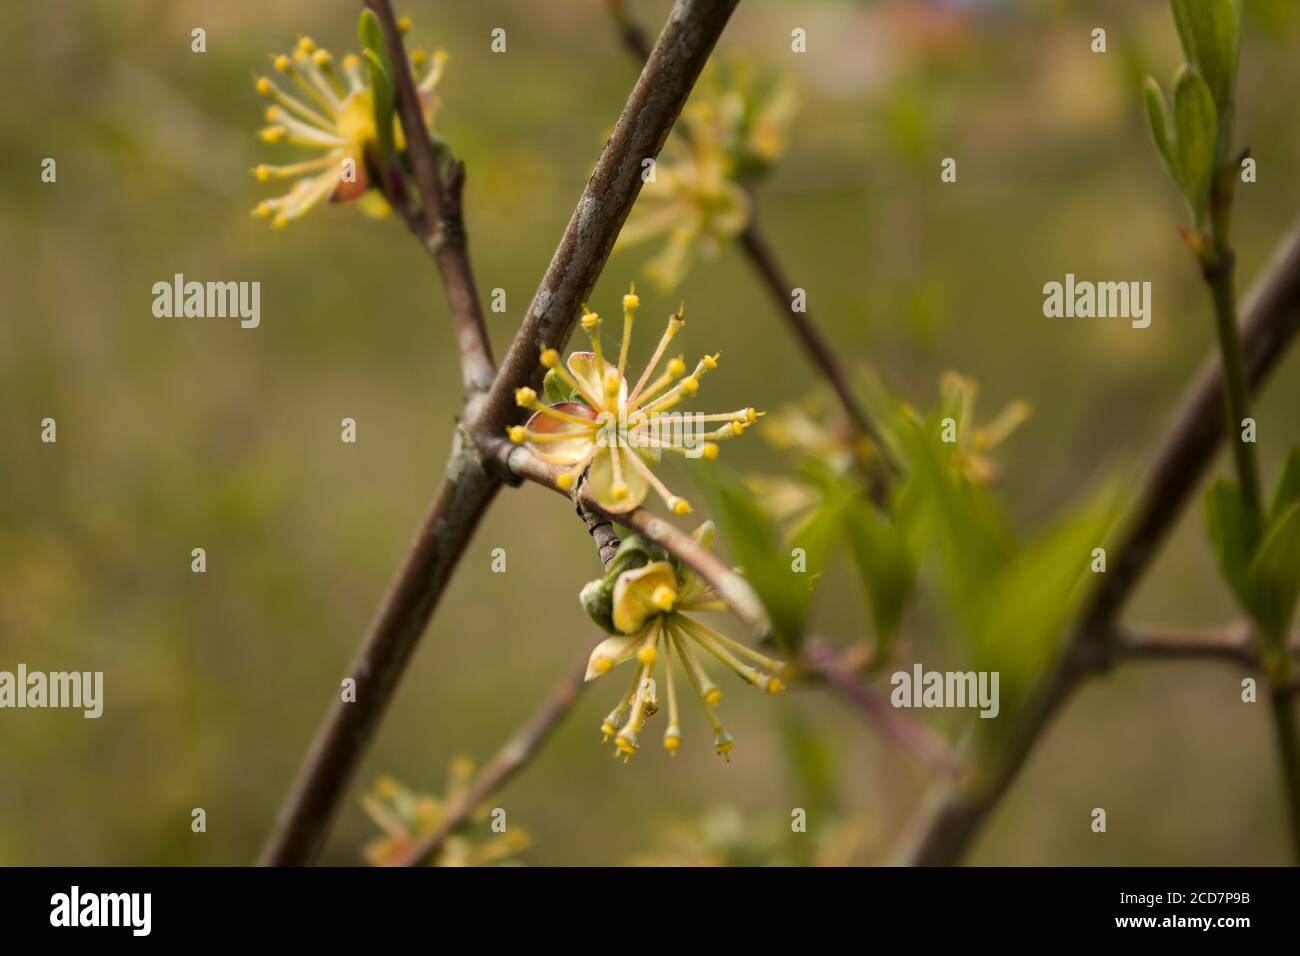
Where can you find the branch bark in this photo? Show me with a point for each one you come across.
(517, 752)
(826, 663)
(656, 100)
(442, 228)
(1272, 318)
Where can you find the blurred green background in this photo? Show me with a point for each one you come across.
(183, 433)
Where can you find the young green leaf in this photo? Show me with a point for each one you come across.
(555, 390)
(1232, 535)
(884, 560)
(1275, 576)
(382, 88)
(1210, 31)
(1161, 124)
(1197, 139)
(1288, 486)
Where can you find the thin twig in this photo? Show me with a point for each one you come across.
(465, 494)
(1272, 319)
(517, 752)
(443, 227)
(827, 663)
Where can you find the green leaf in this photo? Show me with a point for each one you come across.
(1210, 31)
(1019, 619)
(1232, 535)
(884, 560)
(556, 391)
(1275, 576)
(1197, 138)
(1288, 486)
(1161, 124)
(759, 549)
(382, 89)
(371, 34)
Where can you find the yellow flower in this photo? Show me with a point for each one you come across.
(597, 424)
(333, 115)
(957, 401)
(731, 134)
(406, 817)
(649, 612)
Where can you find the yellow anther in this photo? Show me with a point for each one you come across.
(517, 434)
(525, 396)
(608, 729)
(709, 452)
(263, 173)
(690, 385)
(263, 85)
(618, 490)
(751, 415)
(624, 745)
(280, 221)
(300, 56)
(664, 598)
(564, 481)
(680, 506)
(710, 361)
(774, 685)
(272, 114)
(351, 62)
(550, 358)
(322, 58)
(590, 320)
(306, 44)
(283, 63)
(263, 210)
(713, 697)
(631, 300)
(672, 741)
(403, 24)
(271, 134)
(676, 367)
(646, 655)
(737, 428)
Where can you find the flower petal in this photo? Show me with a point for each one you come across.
(600, 479)
(569, 451)
(583, 367)
(634, 590)
(611, 652)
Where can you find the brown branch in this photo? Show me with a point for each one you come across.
(758, 251)
(442, 228)
(653, 106)
(828, 664)
(1271, 320)
(517, 752)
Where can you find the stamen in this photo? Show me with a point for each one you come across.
(675, 322)
(771, 663)
(435, 72)
(591, 325)
(678, 506)
(618, 489)
(676, 369)
(685, 388)
(308, 68)
(519, 434)
(705, 688)
(352, 70)
(265, 173)
(630, 303)
(673, 735)
(268, 88)
(704, 637)
(616, 717)
(566, 479)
